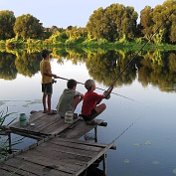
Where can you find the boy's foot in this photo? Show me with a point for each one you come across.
(52, 112)
(75, 116)
(45, 111)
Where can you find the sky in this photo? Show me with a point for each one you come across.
(63, 13)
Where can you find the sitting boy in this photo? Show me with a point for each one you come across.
(91, 102)
(69, 99)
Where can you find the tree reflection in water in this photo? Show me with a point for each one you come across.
(152, 67)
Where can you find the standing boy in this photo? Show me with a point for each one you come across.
(47, 75)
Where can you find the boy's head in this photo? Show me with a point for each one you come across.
(45, 53)
(89, 84)
(71, 84)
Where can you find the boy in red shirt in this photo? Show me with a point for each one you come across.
(91, 102)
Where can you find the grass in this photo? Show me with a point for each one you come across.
(5, 133)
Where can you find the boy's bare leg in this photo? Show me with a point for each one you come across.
(44, 103)
(100, 108)
(49, 103)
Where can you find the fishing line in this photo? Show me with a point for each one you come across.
(113, 83)
(99, 88)
(133, 122)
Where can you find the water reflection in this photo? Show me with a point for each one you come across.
(7, 66)
(154, 67)
(145, 149)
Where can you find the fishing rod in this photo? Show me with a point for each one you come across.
(133, 122)
(113, 83)
(99, 88)
(115, 80)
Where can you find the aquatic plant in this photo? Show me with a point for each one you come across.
(5, 138)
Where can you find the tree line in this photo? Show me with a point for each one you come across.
(111, 24)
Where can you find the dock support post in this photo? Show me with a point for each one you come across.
(10, 142)
(104, 165)
(96, 138)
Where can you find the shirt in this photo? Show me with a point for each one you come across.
(66, 101)
(45, 67)
(90, 100)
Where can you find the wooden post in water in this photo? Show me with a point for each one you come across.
(105, 164)
(10, 142)
(96, 137)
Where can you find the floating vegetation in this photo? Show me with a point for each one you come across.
(174, 171)
(126, 161)
(2, 103)
(155, 162)
(137, 144)
(148, 142)
(30, 102)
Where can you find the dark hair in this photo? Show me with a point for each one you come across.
(71, 83)
(45, 53)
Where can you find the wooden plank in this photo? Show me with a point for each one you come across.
(67, 149)
(86, 143)
(77, 131)
(75, 145)
(44, 125)
(6, 173)
(45, 121)
(16, 170)
(63, 155)
(103, 151)
(33, 168)
(33, 117)
(57, 156)
(60, 162)
(56, 128)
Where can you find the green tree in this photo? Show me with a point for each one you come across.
(171, 4)
(112, 23)
(146, 21)
(27, 26)
(76, 32)
(7, 21)
(48, 32)
(159, 22)
(97, 24)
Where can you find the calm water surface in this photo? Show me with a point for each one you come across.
(147, 148)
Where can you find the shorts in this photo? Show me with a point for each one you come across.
(90, 117)
(47, 88)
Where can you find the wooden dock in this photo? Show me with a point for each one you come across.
(47, 125)
(59, 150)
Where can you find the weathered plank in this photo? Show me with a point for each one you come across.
(79, 129)
(59, 152)
(77, 145)
(56, 156)
(85, 143)
(14, 170)
(43, 125)
(67, 149)
(7, 173)
(33, 168)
